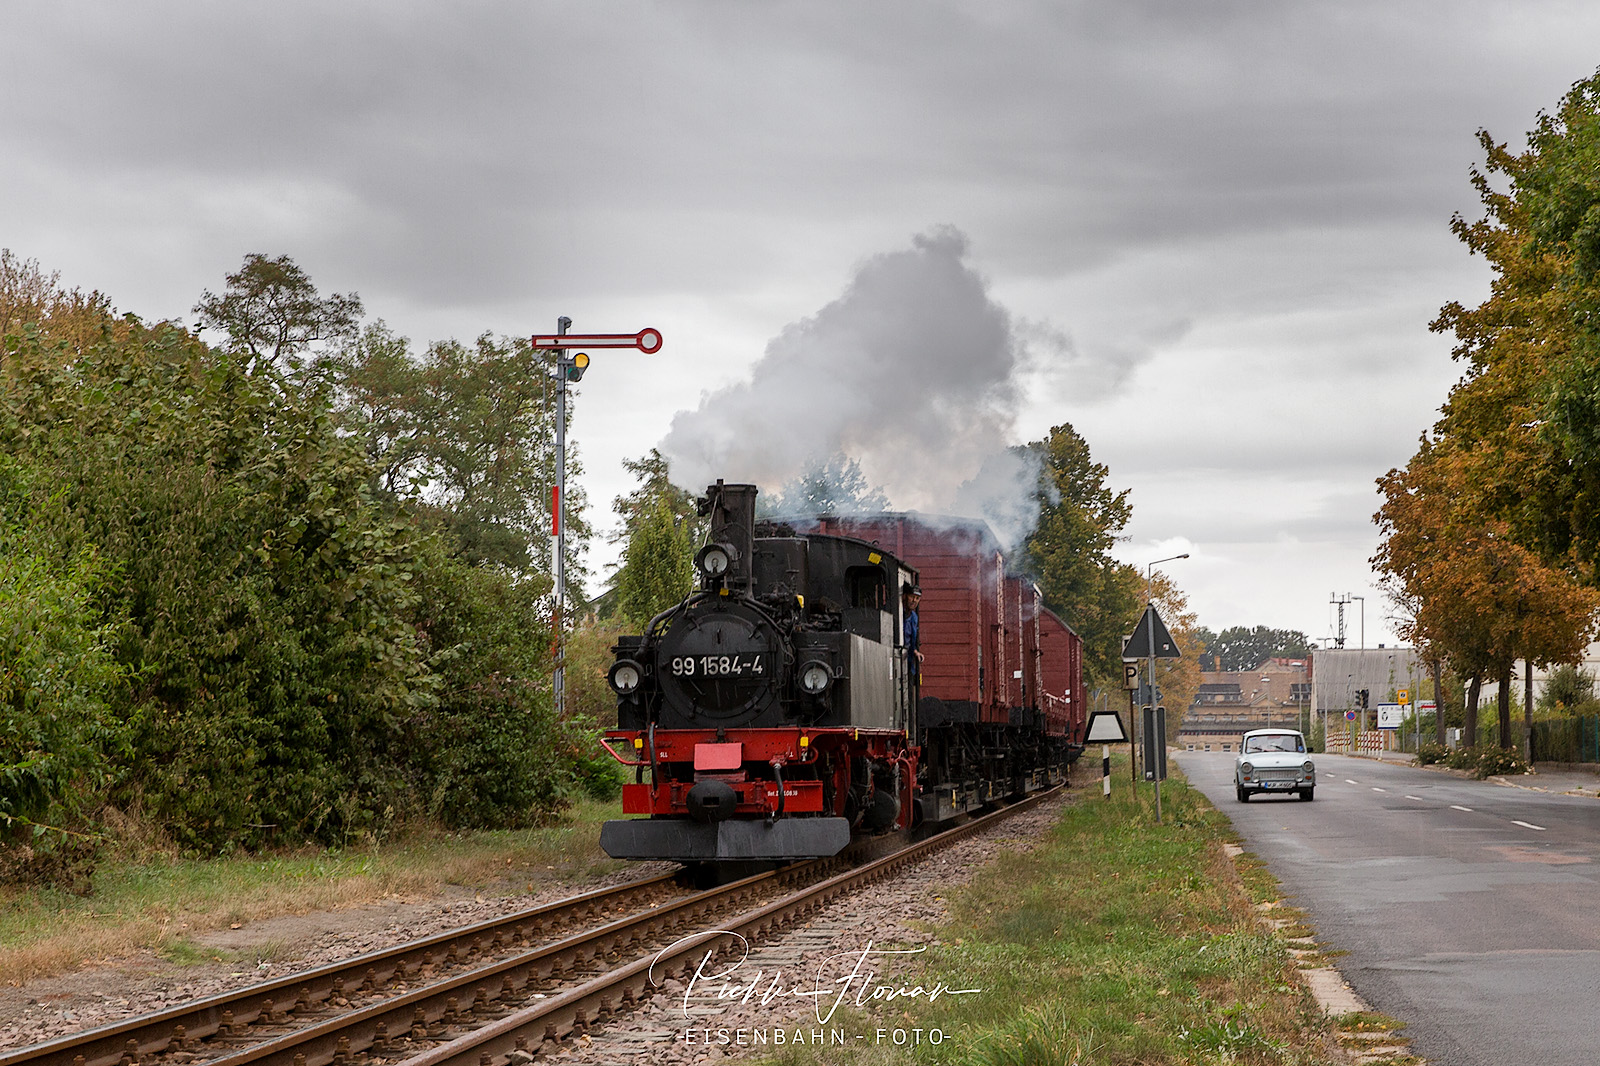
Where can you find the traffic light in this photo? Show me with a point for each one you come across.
(1363, 695)
(574, 365)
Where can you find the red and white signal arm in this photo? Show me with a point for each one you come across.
(1105, 727)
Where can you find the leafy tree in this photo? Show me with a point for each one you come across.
(1568, 690)
(272, 311)
(487, 751)
(379, 390)
(1241, 648)
(1178, 679)
(661, 527)
(1491, 532)
(652, 472)
(1068, 553)
(835, 486)
(657, 566)
(58, 682)
(466, 434)
(30, 298)
(589, 657)
(1482, 600)
(265, 596)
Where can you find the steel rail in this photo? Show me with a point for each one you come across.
(431, 1012)
(511, 1039)
(187, 1025)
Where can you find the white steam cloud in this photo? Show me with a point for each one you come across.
(912, 372)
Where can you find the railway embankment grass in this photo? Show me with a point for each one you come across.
(156, 902)
(1116, 940)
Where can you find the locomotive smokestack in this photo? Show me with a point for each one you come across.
(732, 510)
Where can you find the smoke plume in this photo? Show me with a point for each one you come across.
(912, 372)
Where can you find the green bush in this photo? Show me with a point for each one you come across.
(57, 682)
(1487, 761)
(305, 662)
(1493, 762)
(1429, 753)
(219, 619)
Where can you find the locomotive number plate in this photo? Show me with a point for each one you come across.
(752, 665)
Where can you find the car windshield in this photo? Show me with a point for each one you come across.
(1275, 743)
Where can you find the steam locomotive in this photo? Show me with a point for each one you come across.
(772, 714)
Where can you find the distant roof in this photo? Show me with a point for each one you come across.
(935, 522)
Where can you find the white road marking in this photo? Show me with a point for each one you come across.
(1417, 798)
(1375, 788)
(1350, 782)
(1458, 807)
(1529, 825)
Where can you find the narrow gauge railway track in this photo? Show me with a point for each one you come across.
(190, 1032)
(225, 1026)
(518, 1035)
(484, 995)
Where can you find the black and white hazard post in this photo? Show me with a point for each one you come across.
(1105, 729)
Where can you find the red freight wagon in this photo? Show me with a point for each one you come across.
(994, 658)
(1061, 686)
(963, 618)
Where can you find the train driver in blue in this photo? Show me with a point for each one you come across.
(911, 596)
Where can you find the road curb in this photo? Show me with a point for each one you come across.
(1333, 994)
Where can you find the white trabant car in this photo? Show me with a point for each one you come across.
(1274, 760)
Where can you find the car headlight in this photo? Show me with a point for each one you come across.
(1310, 767)
(1246, 769)
(815, 678)
(624, 677)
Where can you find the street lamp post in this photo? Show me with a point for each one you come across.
(1266, 692)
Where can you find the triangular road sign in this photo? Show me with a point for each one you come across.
(1138, 645)
(1105, 727)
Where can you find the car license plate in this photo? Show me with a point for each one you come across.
(1278, 784)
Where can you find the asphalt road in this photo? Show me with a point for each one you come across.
(1469, 910)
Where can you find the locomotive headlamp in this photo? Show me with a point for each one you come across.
(815, 678)
(713, 560)
(624, 677)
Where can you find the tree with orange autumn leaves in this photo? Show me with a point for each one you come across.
(1491, 532)
(1178, 679)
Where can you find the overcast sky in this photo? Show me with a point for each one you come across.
(1209, 236)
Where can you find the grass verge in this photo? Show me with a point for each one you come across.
(156, 904)
(1115, 941)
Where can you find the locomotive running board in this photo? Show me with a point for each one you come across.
(671, 839)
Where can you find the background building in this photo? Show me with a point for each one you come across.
(1230, 703)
